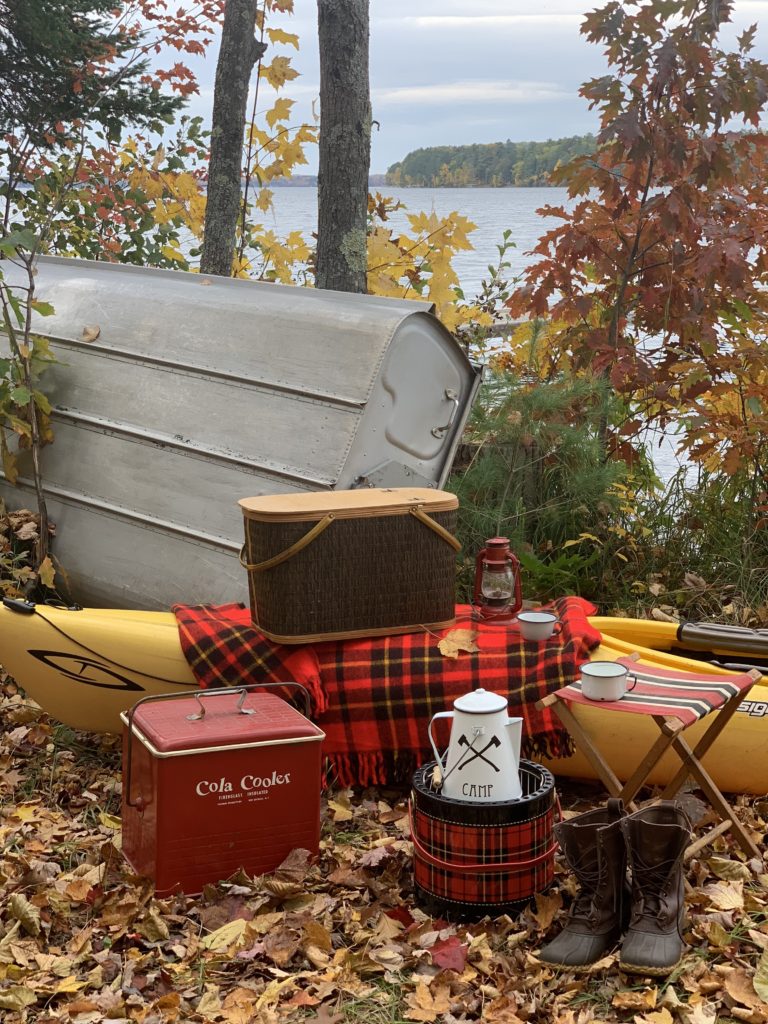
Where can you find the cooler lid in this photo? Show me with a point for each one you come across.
(365, 501)
(167, 727)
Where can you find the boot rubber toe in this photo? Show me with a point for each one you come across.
(655, 955)
(573, 952)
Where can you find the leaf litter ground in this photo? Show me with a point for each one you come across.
(83, 940)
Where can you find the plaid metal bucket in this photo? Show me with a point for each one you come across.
(473, 859)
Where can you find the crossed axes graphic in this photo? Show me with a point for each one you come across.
(464, 761)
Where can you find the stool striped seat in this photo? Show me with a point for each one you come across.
(674, 700)
(687, 696)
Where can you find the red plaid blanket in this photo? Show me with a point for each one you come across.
(374, 697)
(223, 649)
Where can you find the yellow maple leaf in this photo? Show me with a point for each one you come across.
(263, 200)
(46, 572)
(26, 812)
(280, 111)
(277, 35)
(278, 72)
(172, 254)
(457, 640)
(228, 935)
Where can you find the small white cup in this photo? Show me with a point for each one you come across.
(605, 680)
(538, 625)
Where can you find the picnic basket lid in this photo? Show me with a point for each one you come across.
(365, 501)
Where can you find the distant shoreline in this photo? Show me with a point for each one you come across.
(416, 188)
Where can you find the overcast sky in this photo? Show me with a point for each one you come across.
(510, 69)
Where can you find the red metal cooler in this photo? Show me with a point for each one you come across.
(216, 781)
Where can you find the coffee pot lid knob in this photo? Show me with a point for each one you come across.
(480, 702)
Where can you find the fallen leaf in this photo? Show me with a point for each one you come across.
(387, 957)
(760, 979)
(740, 987)
(324, 1016)
(661, 616)
(225, 936)
(340, 812)
(90, 332)
(546, 908)
(726, 895)
(456, 641)
(26, 913)
(729, 869)
(303, 998)
(209, 1002)
(47, 573)
(26, 812)
(153, 927)
(17, 997)
(717, 936)
(700, 1013)
(371, 858)
(69, 984)
(450, 954)
(296, 866)
(424, 1005)
(316, 934)
(662, 1016)
(635, 1000)
(281, 945)
(282, 888)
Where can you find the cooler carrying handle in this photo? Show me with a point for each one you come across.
(243, 690)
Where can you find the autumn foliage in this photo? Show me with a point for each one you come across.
(655, 274)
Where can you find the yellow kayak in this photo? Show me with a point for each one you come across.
(86, 666)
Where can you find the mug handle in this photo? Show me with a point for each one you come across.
(557, 628)
(634, 682)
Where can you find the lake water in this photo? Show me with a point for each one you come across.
(493, 210)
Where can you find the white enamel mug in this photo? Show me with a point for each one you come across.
(605, 680)
(538, 625)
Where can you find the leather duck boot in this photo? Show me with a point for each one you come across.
(656, 837)
(594, 848)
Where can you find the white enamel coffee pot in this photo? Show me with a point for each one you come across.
(483, 760)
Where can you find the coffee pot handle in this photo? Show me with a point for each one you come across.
(440, 714)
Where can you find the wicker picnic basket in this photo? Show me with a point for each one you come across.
(338, 564)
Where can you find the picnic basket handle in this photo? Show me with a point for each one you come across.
(288, 552)
(282, 556)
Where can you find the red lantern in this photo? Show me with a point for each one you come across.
(498, 593)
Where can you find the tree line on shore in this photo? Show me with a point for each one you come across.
(494, 164)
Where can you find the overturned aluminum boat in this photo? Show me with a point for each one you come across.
(197, 391)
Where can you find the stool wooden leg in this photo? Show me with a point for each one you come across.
(669, 730)
(593, 755)
(722, 719)
(715, 797)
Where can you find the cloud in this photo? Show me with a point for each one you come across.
(472, 91)
(489, 22)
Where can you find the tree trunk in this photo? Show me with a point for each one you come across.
(238, 53)
(345, 145)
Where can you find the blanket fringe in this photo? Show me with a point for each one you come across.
(383, 768)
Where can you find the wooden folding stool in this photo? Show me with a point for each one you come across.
(675, 701)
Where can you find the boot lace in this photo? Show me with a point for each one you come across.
(650, 886)
(584, 906)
